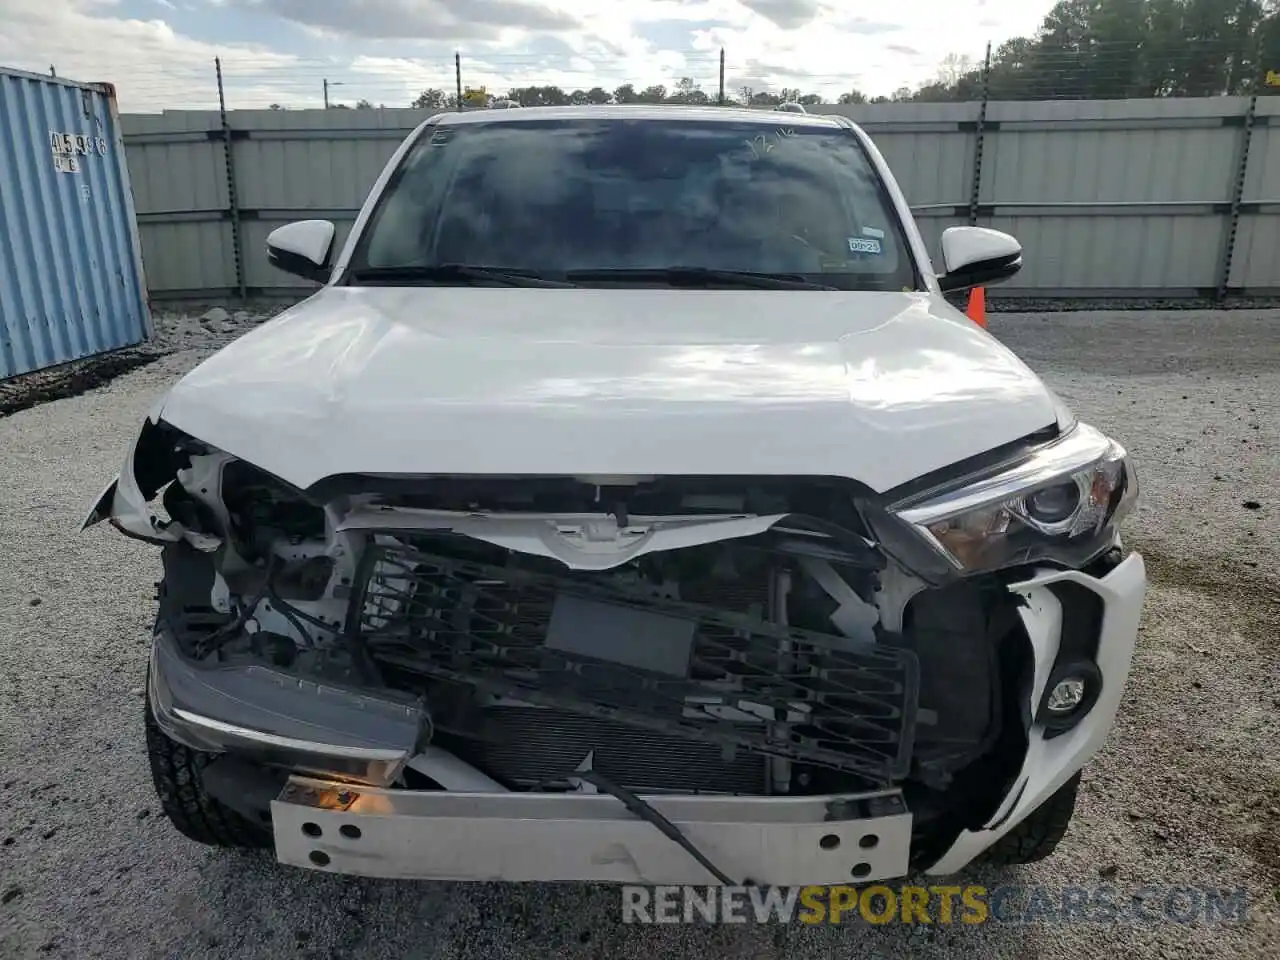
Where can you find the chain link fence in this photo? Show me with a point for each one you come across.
(1077, 68)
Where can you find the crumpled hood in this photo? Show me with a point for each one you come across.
(877, 387)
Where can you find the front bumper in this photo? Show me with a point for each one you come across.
(1050, 763)
(348, 828)
(419, 835)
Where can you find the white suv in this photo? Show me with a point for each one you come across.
(630, 505)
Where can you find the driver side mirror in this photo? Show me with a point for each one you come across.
(302, 248)
(976, 256)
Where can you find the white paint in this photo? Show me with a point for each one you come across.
(452, 772)
(579, 541)
(965, 246)
(309, 239)
(878, 387)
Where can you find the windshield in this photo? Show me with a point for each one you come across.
(555, 197)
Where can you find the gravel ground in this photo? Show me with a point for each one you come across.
(1186, 792)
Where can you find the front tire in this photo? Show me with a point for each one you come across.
(1039, 834)
(175, 772)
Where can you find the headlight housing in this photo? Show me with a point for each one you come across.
(1060, 504)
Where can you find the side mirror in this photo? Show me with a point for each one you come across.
(302, 248)
(975, 256)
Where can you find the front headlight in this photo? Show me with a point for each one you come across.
(1060, 504)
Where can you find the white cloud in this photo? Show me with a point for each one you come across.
(388, 50)
(151, 66)
(398, 19)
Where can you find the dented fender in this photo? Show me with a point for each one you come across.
(125, 501)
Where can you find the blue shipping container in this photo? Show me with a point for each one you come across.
(71, 282)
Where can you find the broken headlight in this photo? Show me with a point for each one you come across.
(1061, 504)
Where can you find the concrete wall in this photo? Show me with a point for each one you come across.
(1110, 198)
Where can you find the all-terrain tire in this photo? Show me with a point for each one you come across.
(1039, 834)
(175, 771)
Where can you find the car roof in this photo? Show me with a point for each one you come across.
(639, 111)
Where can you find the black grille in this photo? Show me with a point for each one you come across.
(827, 701)
(541, 746)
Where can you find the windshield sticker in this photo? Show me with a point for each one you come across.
(864, 245)
(873, 232)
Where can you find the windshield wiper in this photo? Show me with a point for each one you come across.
(701, 276)
(445, 272)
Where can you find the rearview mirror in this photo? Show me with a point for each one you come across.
(975, 256)
(302, 248)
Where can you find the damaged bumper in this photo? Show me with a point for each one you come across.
(779, 841)
(329, 823)
(785, 667)
(1051, 761)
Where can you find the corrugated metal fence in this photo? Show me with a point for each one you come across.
(1110, 198)
(70, 268)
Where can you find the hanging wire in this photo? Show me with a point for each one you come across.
(1137, 68)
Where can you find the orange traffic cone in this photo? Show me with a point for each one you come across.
(978, 306)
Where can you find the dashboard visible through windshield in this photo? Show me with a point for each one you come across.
(613, 199)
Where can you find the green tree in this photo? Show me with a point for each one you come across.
(1110, 49)
(548, 96)
(688, 91)
(429, 99)
(852, 96)
(626, 94)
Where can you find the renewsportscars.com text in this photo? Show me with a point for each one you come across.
(936, 904)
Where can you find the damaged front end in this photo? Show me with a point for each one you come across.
(706, 642)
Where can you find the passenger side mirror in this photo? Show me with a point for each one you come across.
(976, 256)
(302, 248)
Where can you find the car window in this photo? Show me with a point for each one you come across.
(554, 196)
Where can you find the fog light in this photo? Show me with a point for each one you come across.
(1069, 695)
(1065, 696)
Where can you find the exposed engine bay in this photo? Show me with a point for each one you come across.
(766, 647)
